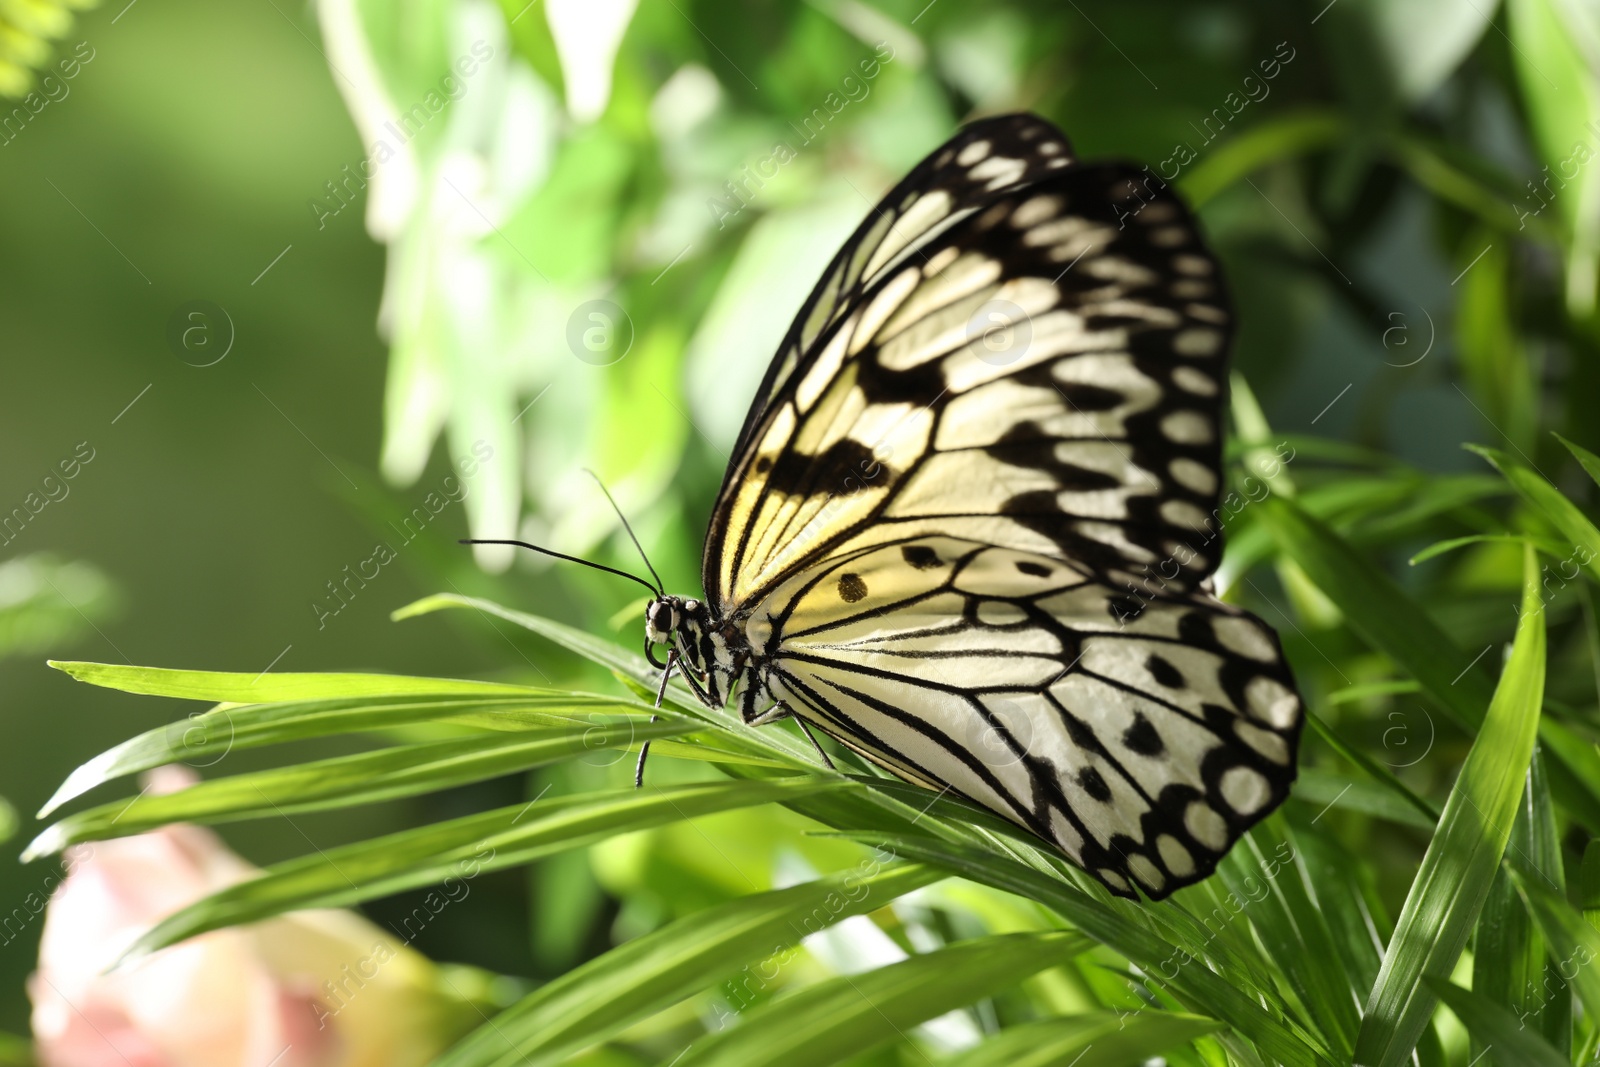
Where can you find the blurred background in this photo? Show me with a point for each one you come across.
(299, 295)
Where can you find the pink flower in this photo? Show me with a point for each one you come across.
(307, 989)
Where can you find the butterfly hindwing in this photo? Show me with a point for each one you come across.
(1143, 745)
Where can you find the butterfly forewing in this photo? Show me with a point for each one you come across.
(971, 517)
(1047, 374)
(965, 172)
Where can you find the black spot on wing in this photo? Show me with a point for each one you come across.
(1164, 672)
(851, 588)
(1142, 737)
(1080, 732)
(1094, 784)
(846, 466)
(1085, 397)
(920, 556)
(1124, 608)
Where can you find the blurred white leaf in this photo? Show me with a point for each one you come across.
(44, 602)
(587, 33)
(775, 269)
(1423, 41)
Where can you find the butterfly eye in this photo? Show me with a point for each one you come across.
(662, 618)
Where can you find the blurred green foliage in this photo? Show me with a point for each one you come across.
(597, 221)
(27, 30)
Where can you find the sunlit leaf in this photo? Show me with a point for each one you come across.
(598, 998)
(205, 739)
(460, 849)
(222, 687)
(839, 1019)
(1495, 1028)
(1100, 1040)
(1464, 855)
(1167, 966)
(1561, 512)
(1383, 613)
(344, 781)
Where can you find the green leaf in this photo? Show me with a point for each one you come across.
(1281, 137)
(1354, 693)
(1574, 943)
(1325, 790)
(1589, 883)
(345, 781)
(1439, 548)
(1265, 869)
(1126, 928)
(1379, 610)
(1588, 460)
(1363, 797)
(205, 738)
(1464, 855)
(1549, 501)
(1558, 83)
(462, 848)
(1426, 164)
(46, 601)
(1333, 875)
(657, 970)
(838, 1019)
(1509, 965)
(260, 688)
(1495, 1028)
(1099, 1039)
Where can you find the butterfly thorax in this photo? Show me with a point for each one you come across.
(713, 653)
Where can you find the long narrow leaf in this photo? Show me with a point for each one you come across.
(1562, 513)
(1383, 613)
(345, 781)
(207, 738)
(460, 849)
(643, 976)
(1175, 968)
(1464, 855)
(1586, 459)
(1265, 868)
(841, 1018)
(1495, 1028)
(223, 687)
(1100, 1039)
(1574, 943)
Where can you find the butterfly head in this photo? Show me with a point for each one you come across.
(679, 622)
(661, 619)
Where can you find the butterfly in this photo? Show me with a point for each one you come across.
(970, 521)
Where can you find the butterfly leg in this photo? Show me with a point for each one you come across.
(813, 739)
(661, 693)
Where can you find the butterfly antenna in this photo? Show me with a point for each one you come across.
(625, 526)
(563, 555)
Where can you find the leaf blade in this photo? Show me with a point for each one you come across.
(460, 848)
(656, 970)
(1464, 855)
(839, 1018)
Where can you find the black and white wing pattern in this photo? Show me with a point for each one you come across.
(970, 522)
